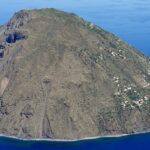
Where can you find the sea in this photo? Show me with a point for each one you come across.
(127, 19)
(131, 142)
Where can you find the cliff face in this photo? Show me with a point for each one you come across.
(62, 77)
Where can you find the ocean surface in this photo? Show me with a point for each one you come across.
(129, 20)
(132, 142)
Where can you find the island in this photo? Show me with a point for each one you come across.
(62, 77)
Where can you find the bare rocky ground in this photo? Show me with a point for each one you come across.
(62, 77)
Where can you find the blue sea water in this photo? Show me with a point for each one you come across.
(129, 20)
(132, 142)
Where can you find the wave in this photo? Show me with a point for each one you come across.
(73, 140)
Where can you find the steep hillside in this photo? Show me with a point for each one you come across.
(62, 77)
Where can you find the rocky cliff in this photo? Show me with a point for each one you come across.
(65, 78)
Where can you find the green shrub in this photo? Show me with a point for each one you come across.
(133, 95)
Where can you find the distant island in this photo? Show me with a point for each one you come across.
(62, 77)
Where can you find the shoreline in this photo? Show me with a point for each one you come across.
(73, 140)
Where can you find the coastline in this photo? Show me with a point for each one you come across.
(73, 140)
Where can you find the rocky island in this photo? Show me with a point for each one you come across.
(62, 77)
